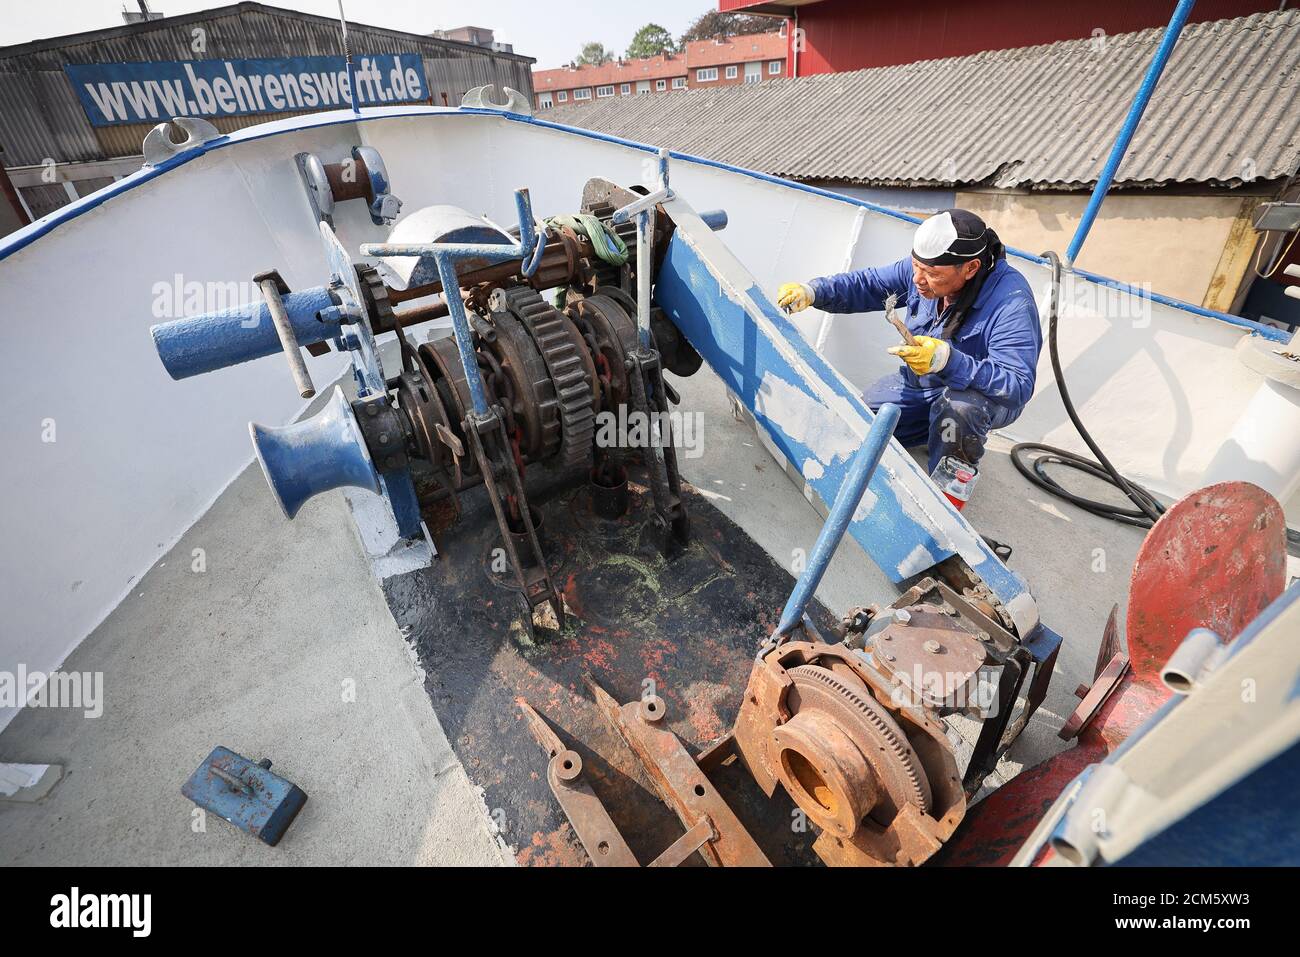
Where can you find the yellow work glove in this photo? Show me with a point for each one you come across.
(794, 296)
(928, 356)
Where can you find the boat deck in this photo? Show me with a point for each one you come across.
(260, 651)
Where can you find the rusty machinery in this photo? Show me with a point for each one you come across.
(550, 330)
(851, 725)
(516, 388)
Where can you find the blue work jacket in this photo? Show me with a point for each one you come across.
(995, 349)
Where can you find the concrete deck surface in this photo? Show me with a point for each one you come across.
(260, 651)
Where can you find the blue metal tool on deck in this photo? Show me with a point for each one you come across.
(245, 794)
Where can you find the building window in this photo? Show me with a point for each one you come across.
(562, 96)
(679, 83)
(643, 86)
(731, 72)
(544, 101)
(604, 91)
(583, 94)
(706, 74)
(753, 72)
(661, 85)
(625, 89)
(774, 67)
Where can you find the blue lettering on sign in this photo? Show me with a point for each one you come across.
(113, 93)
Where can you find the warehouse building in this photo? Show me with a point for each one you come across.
(1019, 136)
(74, 110)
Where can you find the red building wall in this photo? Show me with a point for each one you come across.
(844, 35)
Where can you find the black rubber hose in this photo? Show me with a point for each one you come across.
(1146, 511)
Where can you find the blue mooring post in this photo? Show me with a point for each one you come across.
(1157, 67)
(837, 522)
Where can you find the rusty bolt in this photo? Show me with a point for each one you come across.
(568, 765)
(903, 615)
(933, 647)
(889, 657)
(652, 709)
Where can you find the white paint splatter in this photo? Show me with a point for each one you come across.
(812, 470)
(805, 420)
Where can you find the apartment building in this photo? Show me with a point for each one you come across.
(722, 61)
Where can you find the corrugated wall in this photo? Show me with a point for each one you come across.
(41, 117)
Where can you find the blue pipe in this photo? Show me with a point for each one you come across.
(215, 340)
(837, 522)
(1157, 67)
(460, 328)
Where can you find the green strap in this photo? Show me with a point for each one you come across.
(604, 242)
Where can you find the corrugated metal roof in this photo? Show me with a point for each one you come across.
(1226, 111)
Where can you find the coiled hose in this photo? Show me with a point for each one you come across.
(1146, 510)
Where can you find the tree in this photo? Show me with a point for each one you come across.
(715, 24)
(650, 40)
(593, 54)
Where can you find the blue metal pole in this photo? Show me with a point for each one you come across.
(460, 328)
(1126, 132)
(846, 503)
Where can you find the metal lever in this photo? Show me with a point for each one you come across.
(273, 287)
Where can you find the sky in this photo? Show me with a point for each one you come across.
(538, 29)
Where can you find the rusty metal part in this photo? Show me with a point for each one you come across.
(443, 365)
(591, 822)
(935, 655)
(873, 769)
(567, 260)
(614, 335)
(1112, 665)
(562, 350)
(528, 392)
(681, 849)
(678, 779)
(841, 755)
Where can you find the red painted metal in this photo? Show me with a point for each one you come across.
(844, 35)
(1215, 559)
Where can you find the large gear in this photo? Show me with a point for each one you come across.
(568, 363)
(876, 734)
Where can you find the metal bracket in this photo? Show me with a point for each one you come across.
(477, 99)
(159, 147)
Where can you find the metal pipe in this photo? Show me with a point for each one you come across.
(837, 522)
(1126, 132)
(288, 338)
(460, 327)
(347, 61)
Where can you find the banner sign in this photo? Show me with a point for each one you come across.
(113, 93)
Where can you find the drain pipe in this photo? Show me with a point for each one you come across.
(1157, 67)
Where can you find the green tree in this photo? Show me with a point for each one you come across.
(593, 54)
(714, 24)
(650, 40)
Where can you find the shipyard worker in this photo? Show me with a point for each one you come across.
(975, 327)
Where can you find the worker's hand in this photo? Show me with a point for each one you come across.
(795, 296)
(927, 357)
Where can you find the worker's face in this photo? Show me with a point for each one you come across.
(940, 282)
